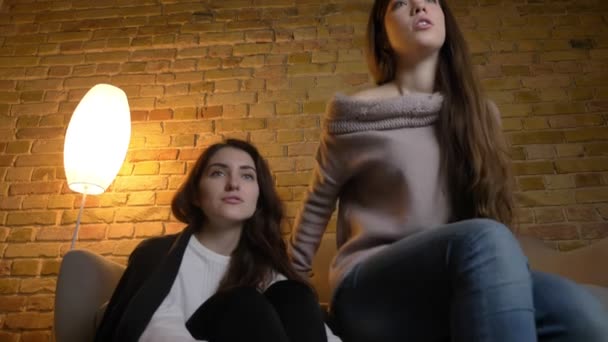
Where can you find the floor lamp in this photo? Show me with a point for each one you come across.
(96, 142)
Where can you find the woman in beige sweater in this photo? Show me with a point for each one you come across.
(420, 172)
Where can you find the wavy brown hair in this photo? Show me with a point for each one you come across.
(474, 152)
(261, 250)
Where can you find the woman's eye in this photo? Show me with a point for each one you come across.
(248, 177)
(398, 4)
(216, 173)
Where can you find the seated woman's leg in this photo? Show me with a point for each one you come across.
(241, 314)
(466, 281)
(566, 312)
(299, 311)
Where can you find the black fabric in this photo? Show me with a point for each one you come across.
(286, 312)
(238, 315)
(298, 308)
(147, 280)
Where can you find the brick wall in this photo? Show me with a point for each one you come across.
(197, 71)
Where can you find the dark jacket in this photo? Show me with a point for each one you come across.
(147, 280)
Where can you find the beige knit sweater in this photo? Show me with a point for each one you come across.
(380, 161)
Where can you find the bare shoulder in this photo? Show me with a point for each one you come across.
(377, 93)
(492, 108)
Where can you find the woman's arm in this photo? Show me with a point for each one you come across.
(318, 204)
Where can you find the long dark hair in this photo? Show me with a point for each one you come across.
(261, 250)
(474, 153)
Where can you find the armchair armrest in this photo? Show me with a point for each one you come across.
(585, 265)
(85, 281)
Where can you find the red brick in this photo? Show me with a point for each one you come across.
(12, 303)
(140, 183)
(50, 267)
(603, 211)
(125, 247)
(88, 216)
(555, 231)
(588, 180)
(46, 174)
(533, 168)
(545, 198)
(572, 121)
(54, 234)
(598, 230)
(18, 234)
(34, 202)
(29, 320)
(36, 336)
(9, 285)
(587, 134)
(592, 195)
(31, 218)
(120, 230)
(148, 229)
(26, 267)
(11, 202)
(51, 159)
(549, 215)
(149, 168)
(542, 137)
(596, 149)
(6, 336)
(92, 232)
(577, 214)
(32, 250)
(582, 165)
(5, 267)
(35, 285)
(570, 150)
(104, 247)
(188, 127)
(530, 183)
(141, 214)
(143, 155)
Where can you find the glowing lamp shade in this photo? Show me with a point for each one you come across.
(97, 139)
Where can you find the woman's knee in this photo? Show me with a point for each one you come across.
(562, 305)
(486, 236)
(486, 252)
(483, 230)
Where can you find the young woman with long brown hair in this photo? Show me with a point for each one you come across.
(226, 277)
(420, 171)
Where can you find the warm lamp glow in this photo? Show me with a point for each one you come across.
(97, 139)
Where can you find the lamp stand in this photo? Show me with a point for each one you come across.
(75, 235)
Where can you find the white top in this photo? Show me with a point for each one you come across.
(189, 291)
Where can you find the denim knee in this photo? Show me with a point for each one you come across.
(491, 251)
(568, 308)
(487, 236)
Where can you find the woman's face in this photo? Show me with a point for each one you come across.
(228, 188)
(414, 28)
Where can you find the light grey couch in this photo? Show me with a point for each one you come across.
(86, 280)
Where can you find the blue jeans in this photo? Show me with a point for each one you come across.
(467, 281)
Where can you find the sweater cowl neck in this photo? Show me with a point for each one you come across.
(346, 114)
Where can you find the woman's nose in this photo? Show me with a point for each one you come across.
(418, 6)
(232, 184)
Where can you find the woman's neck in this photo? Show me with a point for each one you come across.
(418, 76)
(221, 239)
